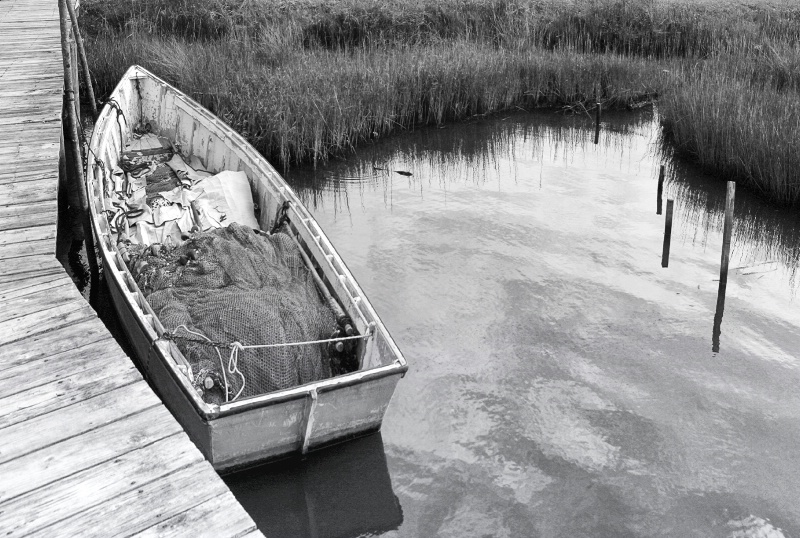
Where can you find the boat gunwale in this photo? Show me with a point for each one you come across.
(265, 173)
(302, 391)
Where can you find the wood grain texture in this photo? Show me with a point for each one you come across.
(78, 419)
(60, 460)
(17, 269)
(45, 319)
(49, 369)
(46, 506)
(52, 344)
(72, 388)
(57, 294)
(141, 508)
(84, 441)
(210, 516)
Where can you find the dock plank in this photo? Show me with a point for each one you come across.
(37, 218)
(176, 493)
(29, 191)
(43, 320)
(86, 447)
(47, 297)
(18, 173)
(210, 516)
(32, 286)
(22, 268)
(77, 386)
(20, 211)
(30, 248)
(53, 343)
(18, 153)
(45, 506)
(22, 235)
(49, 369)
(65, 458)
(77, 419)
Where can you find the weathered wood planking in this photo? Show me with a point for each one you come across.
(72, 388)
(209, 516)
(128, 471)
(86, 448)
(48, 370)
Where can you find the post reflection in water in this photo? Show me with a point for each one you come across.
(723, 266)
(343, 491)
(558, 384)
(723, 284)
(667, 234)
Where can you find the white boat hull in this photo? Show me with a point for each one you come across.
(263, 427)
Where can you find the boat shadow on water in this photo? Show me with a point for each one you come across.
(341, 492)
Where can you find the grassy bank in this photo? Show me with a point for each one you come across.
(306, 78)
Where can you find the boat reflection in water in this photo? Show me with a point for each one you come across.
(341, 492)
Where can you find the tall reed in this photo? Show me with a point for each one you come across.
(303, 79)
(741, 118)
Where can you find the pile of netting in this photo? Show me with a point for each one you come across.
(230, 285)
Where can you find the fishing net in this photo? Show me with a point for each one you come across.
(236, 285)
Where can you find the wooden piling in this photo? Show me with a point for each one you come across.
(667, 234)
(726, 231)
(87, 77)
(598, 111)
(74, 158)
(660, 190)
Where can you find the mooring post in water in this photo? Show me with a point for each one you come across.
(660, 190)
(73, 151)
(598, 110)
(727, 230)
(667, 234)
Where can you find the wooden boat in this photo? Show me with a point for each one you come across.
(250, 430)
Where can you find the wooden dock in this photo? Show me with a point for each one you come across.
(86, 448)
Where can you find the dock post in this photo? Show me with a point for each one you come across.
(660, 190)
(87, 77)
(74, 158)
(667, 234)
(727, 231)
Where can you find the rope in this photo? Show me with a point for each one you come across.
(115, 106)
(235, 368)
(235, 347)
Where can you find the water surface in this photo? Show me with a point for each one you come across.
(562, 382)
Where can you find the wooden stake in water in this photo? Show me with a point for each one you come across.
(727, 230)
(597, 123)
(660, 190)
(667, 234)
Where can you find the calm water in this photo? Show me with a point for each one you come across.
(561, 383)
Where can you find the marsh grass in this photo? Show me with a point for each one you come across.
(306, 79)
(742, 122)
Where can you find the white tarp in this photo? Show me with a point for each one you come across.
(211, 202)
(224, 198)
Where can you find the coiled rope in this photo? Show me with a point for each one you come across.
(233, 359)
